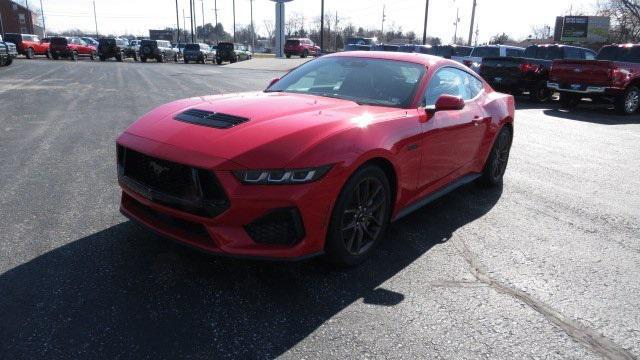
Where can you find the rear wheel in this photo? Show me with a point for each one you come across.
(360, 217)
(568, 100)
(120, 57)
(74, 55)
(496, 165)
(629, 102)
(143, 59)
(135, 56)
(161, 58)
(219, 61)
(9, 61)
(288, 56)
(29, 53)
(304, 54)
(55, 57)
(92, 56)
(175, 57)
(540, 93)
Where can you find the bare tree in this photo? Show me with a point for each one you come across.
(625, 18)
(541, 31)
(269, 28)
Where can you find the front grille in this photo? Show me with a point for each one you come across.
(210, 118)
(185, 188)
(279, 227)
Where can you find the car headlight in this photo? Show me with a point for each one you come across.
(281, 176)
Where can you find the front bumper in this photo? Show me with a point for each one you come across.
(229, 232)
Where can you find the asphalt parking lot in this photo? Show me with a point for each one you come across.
(548, 266)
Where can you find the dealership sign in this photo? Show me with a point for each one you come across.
(586, 29)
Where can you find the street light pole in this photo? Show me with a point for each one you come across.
(426, 17)
(95, 18)
(234, 20)
(253, 32)
(473, 17)
(191, 19)
(321, 26)
(44, 27)
(202, 3)
(177, 22)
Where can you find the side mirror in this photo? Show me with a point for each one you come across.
(449, 102)
(273, 81)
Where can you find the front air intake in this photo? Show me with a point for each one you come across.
(210, 118)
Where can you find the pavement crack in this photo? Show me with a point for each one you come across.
(592, 340)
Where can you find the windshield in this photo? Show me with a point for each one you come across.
(543, 52)
(225, 46)
(148, 43)
(486, 51)
(195, 47)
(365, 81)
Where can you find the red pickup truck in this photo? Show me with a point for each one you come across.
(614, 76)
(28, 44)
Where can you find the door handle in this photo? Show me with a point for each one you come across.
(477, 120)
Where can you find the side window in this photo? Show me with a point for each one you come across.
(448, 81)
(588, 55)
(475, 86)
(514, 53)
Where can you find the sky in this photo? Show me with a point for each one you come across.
(515, 17)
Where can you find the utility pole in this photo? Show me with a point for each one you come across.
(336, 31)
(44, 27)
(253, 33)
(191, 19)
(184, 25)
(473, 17)
(321, 26)
(234, 20)
(177, 22)
(383, 18)
(95, 18)
(195, 19)
(202, 3)
(455, 32)
(215, 10)
(426, 17)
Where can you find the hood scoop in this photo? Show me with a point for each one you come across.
(210, 118)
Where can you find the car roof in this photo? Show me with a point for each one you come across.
(416, 58)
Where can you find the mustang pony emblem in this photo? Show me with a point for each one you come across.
(157, 168)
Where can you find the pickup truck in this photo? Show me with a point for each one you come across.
(451, 51)
(28, 45)
(529, 73)
(8, 52)
(474, 59)
(614, 76)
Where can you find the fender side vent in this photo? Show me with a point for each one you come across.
(210, 119)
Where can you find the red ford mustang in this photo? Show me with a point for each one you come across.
(318, 163)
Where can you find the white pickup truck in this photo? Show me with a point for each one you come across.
(474, 60)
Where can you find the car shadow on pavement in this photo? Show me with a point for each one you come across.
(594, 114)
(124, 292)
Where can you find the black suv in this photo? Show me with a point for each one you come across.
(115, 48)
(8, 52)
(531, 72)
(231, 52)
(200, 53)
(160, 50)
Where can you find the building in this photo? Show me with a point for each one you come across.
(16, 18)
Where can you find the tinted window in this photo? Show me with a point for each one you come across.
(462, 50)
(225, 46)
(486, 51)
(293, 42)
(407, 48)
(515, 52)
(589, 55)
(425, 50)
(194, 47)
(443, 51)
(449, 81)
(149, 43)
(59, 41)
(475, 86)
(366, 81)
(572, 53)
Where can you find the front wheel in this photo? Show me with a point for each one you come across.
(29, 53)
(629, 102)
(219, 61)
(143, 59)
(92, 55)
(74, 56)
(360, 217)
(175, 57)
(496, 165)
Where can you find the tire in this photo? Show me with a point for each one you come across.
(186, 61)
(92, 56)
(29, 54)
(9, 61)
(304, 54)
(135, 56)
(143, 59)
(540, 93)
(219, 61)
(629, 102)
(74, 56)
(102, 58)
(175, 57)
(494, 169)
(48, 54)
(160, 58)
(360, 217)
(568, 100)
(288, 56)
(55, 57)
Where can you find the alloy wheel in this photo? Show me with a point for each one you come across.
(632, 101)
(364, 217)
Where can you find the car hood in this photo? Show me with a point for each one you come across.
(280, 126)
